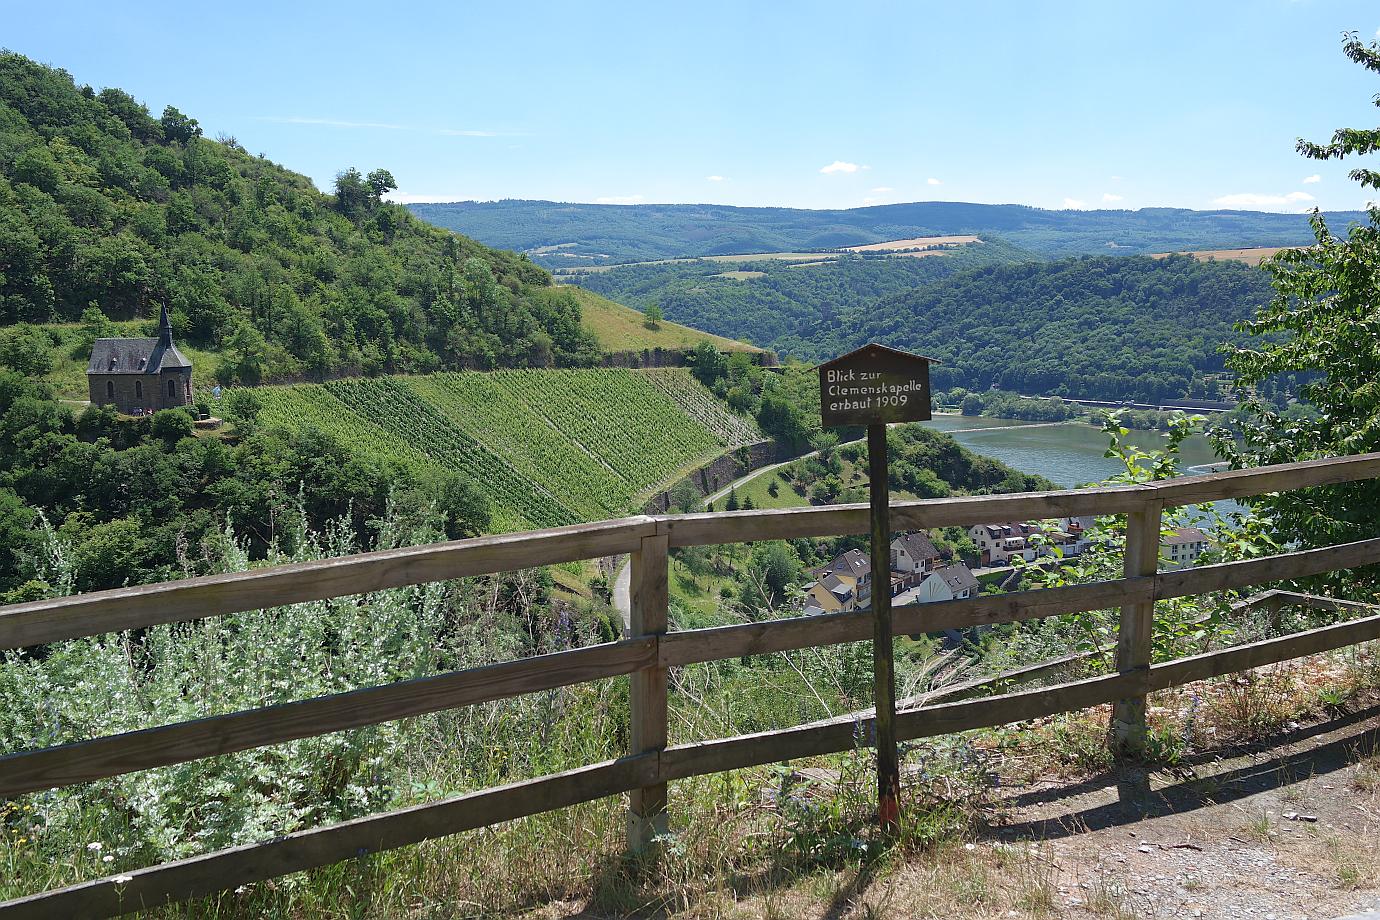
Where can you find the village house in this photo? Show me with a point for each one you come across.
(140, 376)
(947, 583)
(1183, 547)
(846, 582)
(830, 594)
(913, 552)
(998, 544)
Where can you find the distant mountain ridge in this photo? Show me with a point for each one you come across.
(597, 234)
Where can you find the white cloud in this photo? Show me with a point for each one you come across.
(883, 189)
(1116, 178)
(838, 166)
(620, 199)
(1073, 204)
(1309, 180)
(1258, 200)
(1109, 197)
(715, 178)
(933, 181)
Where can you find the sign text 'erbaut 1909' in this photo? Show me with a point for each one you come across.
(874, 385)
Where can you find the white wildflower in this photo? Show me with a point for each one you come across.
(94, 847)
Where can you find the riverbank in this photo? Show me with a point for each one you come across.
(1069, 454)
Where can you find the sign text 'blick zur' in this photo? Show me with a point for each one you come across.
(874, 385)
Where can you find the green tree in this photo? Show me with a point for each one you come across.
(1322, 328)
(685, 497)
(26, 349)
(172, 425)
(178, 127)
(653, 317)
(466, 509)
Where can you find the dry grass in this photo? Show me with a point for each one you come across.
(1250, 256)
(915, 242)
(620, 328)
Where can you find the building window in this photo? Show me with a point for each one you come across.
(172, 389)
(138, 389)
(110, 389)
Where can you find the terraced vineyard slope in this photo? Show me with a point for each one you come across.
(548, 447)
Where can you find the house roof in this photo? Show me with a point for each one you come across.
(1185, 535)
(134, 356)
(836, 587)
(917, 545)
(138, 356)
(958, 577)
(854, 562)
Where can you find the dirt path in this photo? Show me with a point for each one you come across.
(1288, 833)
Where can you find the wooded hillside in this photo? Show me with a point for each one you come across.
(572, 235)
(107, 211)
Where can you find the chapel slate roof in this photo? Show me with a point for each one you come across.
(121, 356)
(134, 356)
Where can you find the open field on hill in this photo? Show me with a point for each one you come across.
(1252, 256)
(827, 255)
(620, 328)
(915, 242)
(547, 447)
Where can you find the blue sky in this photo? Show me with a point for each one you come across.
(828, 104)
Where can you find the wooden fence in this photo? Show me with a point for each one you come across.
(645, 656)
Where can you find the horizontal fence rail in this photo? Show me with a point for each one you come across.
(645, 656)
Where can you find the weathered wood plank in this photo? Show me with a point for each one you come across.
(827, 737)
(792, 523)
(154, 747)
(46, 621)
(720, 642)
(1269, 651)
(647, 697)
(1018, 606)
(1141, 560)
(1222, 576)
(947, 718)
(225, 869)
(717, 643)
(859, 729)
(1284, 477)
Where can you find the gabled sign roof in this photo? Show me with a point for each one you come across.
(874, 385)
(877, 350)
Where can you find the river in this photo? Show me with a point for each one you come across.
(1066, 453)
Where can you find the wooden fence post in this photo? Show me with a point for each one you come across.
(1134, 640)
(647, 697)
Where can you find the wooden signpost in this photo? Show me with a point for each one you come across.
(875, 386)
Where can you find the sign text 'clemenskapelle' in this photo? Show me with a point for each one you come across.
(874, 385)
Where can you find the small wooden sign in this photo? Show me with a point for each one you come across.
(874, 385)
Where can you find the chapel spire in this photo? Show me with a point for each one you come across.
(164, 328)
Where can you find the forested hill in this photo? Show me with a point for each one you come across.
(104, 206)
(567, 235)
(1108, 328)
(774, 303)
